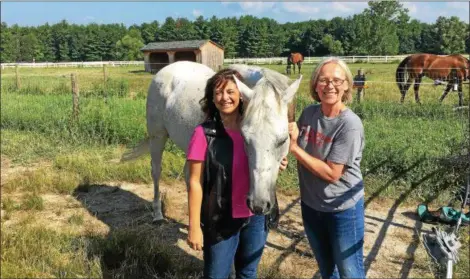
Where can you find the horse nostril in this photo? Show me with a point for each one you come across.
(268, 206)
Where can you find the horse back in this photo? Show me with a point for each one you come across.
(449, 66)
(173, 100)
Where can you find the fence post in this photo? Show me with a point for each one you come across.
(105, 78)
(18, 84)
(75, 96)
(105, 73)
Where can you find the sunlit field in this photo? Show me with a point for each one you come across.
(413, 154)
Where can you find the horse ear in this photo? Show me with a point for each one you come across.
(246, 92)
(291, 90)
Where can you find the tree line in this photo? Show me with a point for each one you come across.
(384, 28)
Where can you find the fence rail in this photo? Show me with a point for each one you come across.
(258, 61)
(72, 64)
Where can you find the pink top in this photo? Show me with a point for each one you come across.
(240, 177)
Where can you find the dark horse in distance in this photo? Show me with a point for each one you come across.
(453, 69)
(294, 58)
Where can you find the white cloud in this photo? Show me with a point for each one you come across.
(411, 7)
(197, 13)
(342, 7)
(256, 7)
(300, 8)
(89, 18)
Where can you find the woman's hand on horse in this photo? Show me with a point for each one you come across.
(284, 163)
(195, 238)
(294, 134)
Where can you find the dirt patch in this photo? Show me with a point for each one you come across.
(10, 170)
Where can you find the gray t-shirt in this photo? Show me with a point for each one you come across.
(337, 139)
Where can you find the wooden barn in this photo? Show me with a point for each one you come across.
(158, 55)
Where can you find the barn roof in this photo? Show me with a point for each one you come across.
(175, 45)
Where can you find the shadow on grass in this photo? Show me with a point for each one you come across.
(134, 247)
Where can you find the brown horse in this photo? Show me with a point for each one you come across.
(294, 58)
(451, 68)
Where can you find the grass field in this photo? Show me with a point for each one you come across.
(413, 154)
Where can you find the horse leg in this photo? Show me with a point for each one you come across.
(157, 145)
(299, 65)
(416, 88)
(444, 94)
(460, 94)
(405, 89)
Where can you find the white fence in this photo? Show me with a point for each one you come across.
(72, 64)
(258, 61)
(313, 60)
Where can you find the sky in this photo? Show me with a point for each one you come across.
(128, 13)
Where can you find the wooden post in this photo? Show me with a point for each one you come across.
(75, 96)
(105, 77)
(18, 84)
(105, 73)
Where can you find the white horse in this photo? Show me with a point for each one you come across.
(173, 111)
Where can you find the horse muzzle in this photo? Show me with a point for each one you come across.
(259, 206)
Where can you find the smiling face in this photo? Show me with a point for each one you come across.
(331, 84)
(227, 98)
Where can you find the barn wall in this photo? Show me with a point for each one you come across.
(212, 56)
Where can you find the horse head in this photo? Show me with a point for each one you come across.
(265, 130)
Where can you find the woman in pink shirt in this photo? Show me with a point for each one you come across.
(220, 222)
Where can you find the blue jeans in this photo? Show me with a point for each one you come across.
(245, 248)
(337, 239)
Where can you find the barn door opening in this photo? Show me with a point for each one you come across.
(185, 56)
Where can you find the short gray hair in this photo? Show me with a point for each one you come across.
(347, 97)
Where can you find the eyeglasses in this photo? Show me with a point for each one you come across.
(336, 82)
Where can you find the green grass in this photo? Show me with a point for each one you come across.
(409, 154)
(35, 252)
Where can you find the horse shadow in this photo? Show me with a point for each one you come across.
(134, 246)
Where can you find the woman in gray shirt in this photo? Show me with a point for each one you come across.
(328, 141)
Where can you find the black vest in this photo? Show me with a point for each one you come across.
(216, 212)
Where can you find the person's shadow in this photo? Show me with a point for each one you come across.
(134, 246)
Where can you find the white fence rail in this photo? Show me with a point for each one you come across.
(257, 61)
(72, 64)
(313, 60)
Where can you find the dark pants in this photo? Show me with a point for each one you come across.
(245, 248)
(337, 239)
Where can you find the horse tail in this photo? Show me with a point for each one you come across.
(401, 74)
(141, 149)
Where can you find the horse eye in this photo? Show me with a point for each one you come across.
(281, 142)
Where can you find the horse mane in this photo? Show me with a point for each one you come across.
(271, 80)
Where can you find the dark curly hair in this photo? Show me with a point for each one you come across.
(219, 79)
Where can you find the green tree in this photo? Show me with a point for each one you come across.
(201, 26)
(452, 35)
(7, 44)
(128, 48)
(168, 31)
(60, 34)
(29, 48)
(333, 46)
(46, 41)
